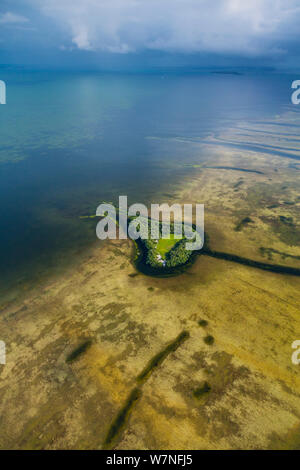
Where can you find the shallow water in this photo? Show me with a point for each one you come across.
(71, 140)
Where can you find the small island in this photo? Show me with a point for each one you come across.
(163, 256)
(158, 253)
(166, 253)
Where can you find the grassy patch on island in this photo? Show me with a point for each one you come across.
(164, 245)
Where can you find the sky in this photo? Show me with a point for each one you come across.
(150, 33)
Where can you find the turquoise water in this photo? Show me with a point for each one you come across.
(71, 140)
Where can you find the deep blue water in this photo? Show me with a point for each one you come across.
(69, 141)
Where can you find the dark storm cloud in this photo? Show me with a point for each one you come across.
(252, 29)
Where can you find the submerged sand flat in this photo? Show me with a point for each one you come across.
(126, 319)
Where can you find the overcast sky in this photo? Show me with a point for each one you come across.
(170, 32)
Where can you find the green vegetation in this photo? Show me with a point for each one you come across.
(202, 390)
(286, 220)
(161, 356)
(203, 323)
(164, 245)
(162, 252)
(209, 340)
(122, 417)
(78, 351)
(178, 255)
(234, 168)
(270, 251)
(245, 221)
(284, 227)
(166, 252)
(238, 184)
(275, 268)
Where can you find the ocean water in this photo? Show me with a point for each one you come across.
(69, 141)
